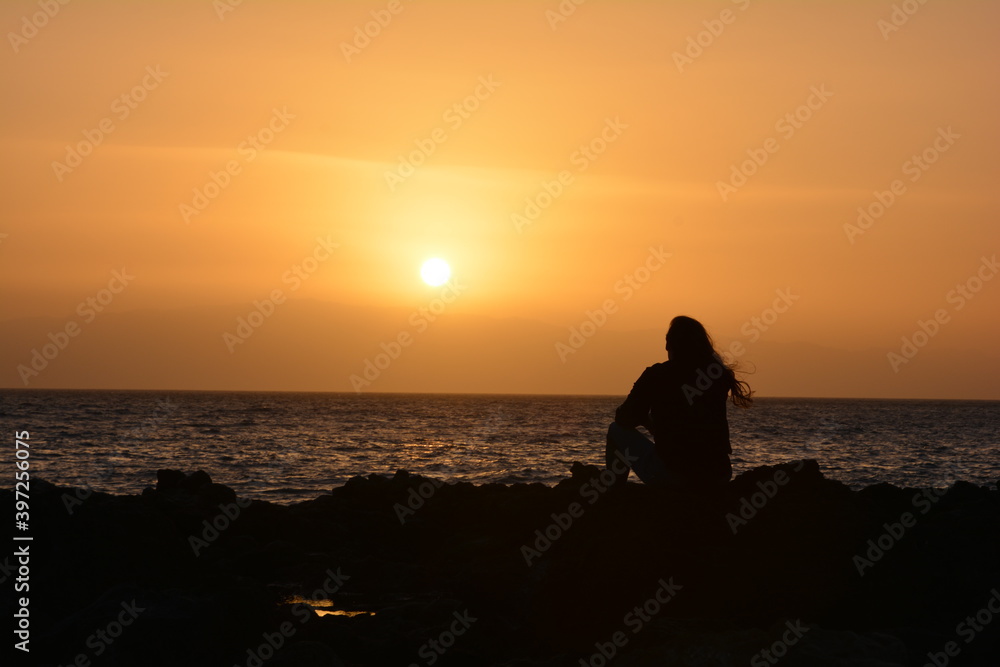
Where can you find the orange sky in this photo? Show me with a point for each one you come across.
(504, 97)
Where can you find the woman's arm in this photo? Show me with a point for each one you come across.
(635, 410)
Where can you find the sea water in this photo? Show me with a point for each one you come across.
(288, 447)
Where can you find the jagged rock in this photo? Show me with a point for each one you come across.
(881, 576)
(306, 654)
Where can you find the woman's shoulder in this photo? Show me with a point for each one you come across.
(669, 370)
(661, 371)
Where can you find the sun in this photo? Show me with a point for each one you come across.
(435, 272)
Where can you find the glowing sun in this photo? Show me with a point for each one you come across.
(435, 272)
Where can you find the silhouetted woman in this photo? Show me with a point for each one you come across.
(682, 402)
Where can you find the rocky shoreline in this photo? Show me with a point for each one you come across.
(782, 567)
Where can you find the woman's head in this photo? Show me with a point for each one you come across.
(689, 344)
(687, 340)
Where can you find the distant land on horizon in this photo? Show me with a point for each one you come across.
(313, 346)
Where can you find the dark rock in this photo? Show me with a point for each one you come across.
(579, 471)
(197, 480)
(306, 654)
(547, 573)
(167, 480)
(216, 494)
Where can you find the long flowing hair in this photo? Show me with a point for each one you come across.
(690, 345)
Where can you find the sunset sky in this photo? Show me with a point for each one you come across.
(699, 158)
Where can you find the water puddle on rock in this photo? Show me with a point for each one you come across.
(325, 607)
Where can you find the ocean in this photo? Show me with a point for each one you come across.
(289, 447)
